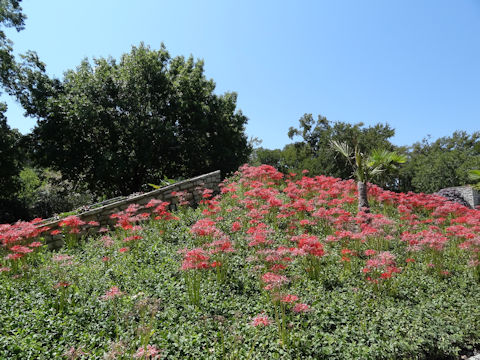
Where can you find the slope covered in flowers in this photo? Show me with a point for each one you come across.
(274, 267)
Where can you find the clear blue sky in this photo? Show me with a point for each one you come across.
(413, 64)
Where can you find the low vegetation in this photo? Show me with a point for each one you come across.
(276, 267)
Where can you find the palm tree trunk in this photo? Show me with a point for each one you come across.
(362, 197)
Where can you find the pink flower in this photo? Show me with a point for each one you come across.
(301, 308)
(150, 353)
(21, 249)
(260, 320)
(370, 252)
(14, 256)
(236, 226)
(132, 238)
(61, 257)
(112, 293)
(289, 298)
(35, 244)
(273, 280)
(195, 259)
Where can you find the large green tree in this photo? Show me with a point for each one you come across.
(440, 164)
(117, 125)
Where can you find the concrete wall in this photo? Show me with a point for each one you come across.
(102, 214)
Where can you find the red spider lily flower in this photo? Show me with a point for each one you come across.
(205, 227)
(107, 241)
(124, 249)
(207, 193)
(14, 256)
(55, 232)
(195, 259)
(4, 269)
(72, 221)
(216, 264)
(220, 246)
(260, 320)
(370, 252)
(301, 308)
(35, 244)
(409, 260)
(132, 208)
(236, 226)
(93, 223)
(156, 202)
(277, 267)
(112, 293)
(273, 281)
(386, 275)
(289, 298)
(21, 249)
(132, 238)
(151, 352)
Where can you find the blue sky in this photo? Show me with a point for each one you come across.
(412, 64)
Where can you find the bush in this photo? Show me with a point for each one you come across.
(44, 193)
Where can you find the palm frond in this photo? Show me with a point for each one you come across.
(341, 148)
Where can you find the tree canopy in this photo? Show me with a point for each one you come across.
(117, 125)
(11, 16)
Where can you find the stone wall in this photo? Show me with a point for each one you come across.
(469, 194)
(102, 214)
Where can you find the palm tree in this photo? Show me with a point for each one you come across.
(475, 176)
(366, 167)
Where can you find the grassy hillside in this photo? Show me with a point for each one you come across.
(273, 268)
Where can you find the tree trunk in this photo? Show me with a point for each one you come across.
(362, 197)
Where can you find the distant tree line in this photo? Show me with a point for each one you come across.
(429, 166)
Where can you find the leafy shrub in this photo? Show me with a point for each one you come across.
(44, 193)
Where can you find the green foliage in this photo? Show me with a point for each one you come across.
(441, 164)
(429, 166)
(118, 125)
(414, 315)
(10, 164)
(44, 193)
(9, 156)
(474, 175)
(11, 16)
(315, 154)
(367, 167)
